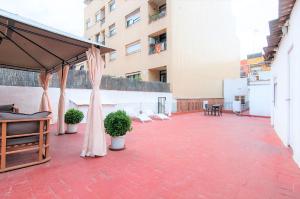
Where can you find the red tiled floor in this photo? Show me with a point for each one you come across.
(190, 156)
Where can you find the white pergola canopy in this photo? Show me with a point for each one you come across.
(31, 46)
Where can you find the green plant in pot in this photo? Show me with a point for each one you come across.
(72, 118)
(117, 124)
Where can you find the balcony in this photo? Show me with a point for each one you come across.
(87, 2)
(100, 38)
(157, 43)
(102, 21)
(158, 74)
(157, 48)
(157, 10)
(102, 42)
(102, 16)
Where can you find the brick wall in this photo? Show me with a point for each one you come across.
(192, 105)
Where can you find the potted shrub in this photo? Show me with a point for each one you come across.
(117, 124)
(72, 118)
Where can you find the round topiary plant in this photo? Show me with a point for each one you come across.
(117, 124)
(73, 116)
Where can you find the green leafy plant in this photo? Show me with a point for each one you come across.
(117, 124)
(73, 116)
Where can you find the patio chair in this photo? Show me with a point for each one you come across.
(9, 108)
(22, 135)
(142, 117)
(208, 109)
(159, 116)
(219, 110)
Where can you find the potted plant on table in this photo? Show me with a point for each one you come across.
(72, 118)
(117, 124)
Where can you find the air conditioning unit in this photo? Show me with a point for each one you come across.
(236, 106)
(285, 28)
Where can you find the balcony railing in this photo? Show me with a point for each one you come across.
(157, 16)
(157, 48)
(102, 42)
(102, 21)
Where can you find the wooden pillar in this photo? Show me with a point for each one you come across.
(47, 139)
(3, 146)
(41, 140)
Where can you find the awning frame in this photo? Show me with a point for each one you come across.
(55, 35)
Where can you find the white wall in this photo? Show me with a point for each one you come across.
(260, 99)
(265, 75)
(282, 76)
(232, 88)
(27, 99)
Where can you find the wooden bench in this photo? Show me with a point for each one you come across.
(36, 141)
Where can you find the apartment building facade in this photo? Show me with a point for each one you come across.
(254, 66)
(190, 44)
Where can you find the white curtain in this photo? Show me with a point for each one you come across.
(94, 138)
(62, 76)
(45, 104)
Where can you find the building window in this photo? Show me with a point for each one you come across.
(104, 59)
(98, 16)
(135, 76)
(157, 43)
(133, 47)
(163, 8)
(157, 10)
(112, 56)
(112, 30)
(162, 105)
(101, 15)
(163, 76)
(112, 5)
(97, 38)
(133, 18)
(88, 23)
(102, 37)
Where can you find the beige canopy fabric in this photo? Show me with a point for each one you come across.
(28, 45)
(94, 138)
(62, 76)
(45, 104)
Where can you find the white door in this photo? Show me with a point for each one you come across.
(290, 101)
(274, 101)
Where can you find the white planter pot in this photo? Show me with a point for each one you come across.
(117, 143)
(72, 128)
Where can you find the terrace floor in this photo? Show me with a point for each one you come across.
(190, 156)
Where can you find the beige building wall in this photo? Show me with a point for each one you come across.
(205, 48)
(202, 48)
(137, 62)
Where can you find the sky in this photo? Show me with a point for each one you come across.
(251, 16)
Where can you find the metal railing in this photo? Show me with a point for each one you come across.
(157, 16)
(157, 48)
